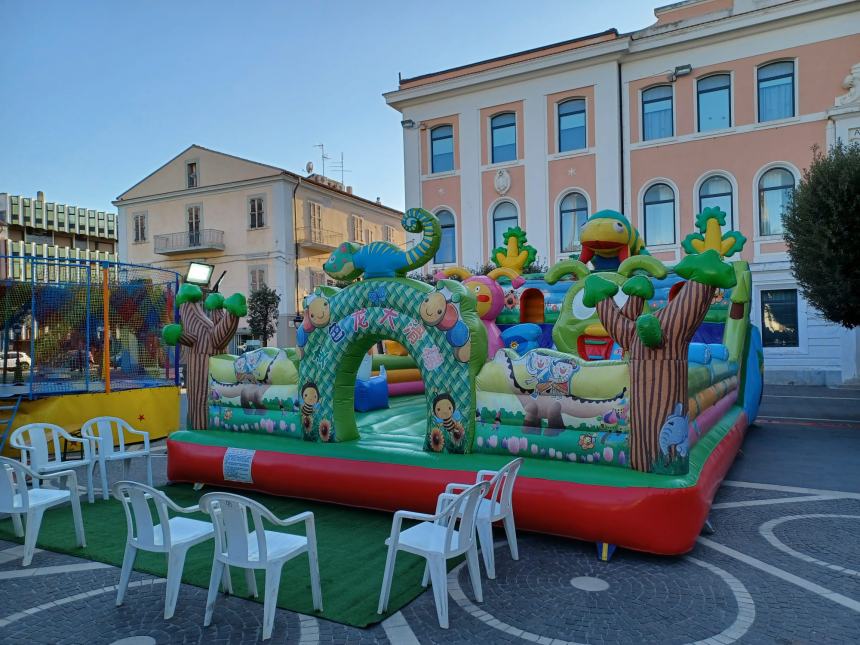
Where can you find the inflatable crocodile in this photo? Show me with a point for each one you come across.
(384, 259)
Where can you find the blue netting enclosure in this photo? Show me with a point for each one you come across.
(57, 340)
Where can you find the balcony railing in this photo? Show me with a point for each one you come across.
(207, 239)
(319, 238)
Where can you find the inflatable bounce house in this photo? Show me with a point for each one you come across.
(628, 417)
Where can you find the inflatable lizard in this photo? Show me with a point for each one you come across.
(384, 259)
(608, 238)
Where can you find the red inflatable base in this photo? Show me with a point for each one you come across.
(664, 521)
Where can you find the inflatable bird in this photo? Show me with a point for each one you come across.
(608, 238)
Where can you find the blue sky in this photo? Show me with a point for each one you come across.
(98, 94)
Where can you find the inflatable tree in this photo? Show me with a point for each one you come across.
(657, 343)
(517, 253)
(203, 335)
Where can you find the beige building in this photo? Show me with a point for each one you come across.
(259, 223)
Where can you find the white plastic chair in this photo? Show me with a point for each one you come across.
(171, 535)
(17, 500)
(259, 549)
(101, 431)
(42, 451)
(496, 506)
(437, 538)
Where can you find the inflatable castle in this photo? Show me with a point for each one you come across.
(626, 385)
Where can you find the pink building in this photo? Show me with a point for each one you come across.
(718, 103)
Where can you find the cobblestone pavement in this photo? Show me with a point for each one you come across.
(783, 566)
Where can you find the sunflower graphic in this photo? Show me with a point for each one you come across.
(325, 430)
(586, 441)
(437, 440)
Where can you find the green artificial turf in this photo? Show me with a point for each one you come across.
(350, 543)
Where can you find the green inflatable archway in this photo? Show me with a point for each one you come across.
(439, 327)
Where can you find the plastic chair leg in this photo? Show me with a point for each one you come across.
(227, 581)
(17, 525)
(103, 472)
(511, 532)
(125, 573)
(91, 497)
(316, 589)
(439, 580)
(386, 579)
(34, 522)
(175, 564)
(270, 599)
(425, 579)
(149, 469)
(251, 583)
(475, 572)
(125, 464)
(214, 579)
(76, 516)
(485, 536)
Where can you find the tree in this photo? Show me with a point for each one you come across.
(202, 337)
(263, 313)
(658, 343)
(820, 223)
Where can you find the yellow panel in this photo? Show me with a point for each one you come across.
(155, 410)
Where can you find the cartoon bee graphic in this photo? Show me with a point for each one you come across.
(310, 402)
(446, 413)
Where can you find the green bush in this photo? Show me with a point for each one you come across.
(821, 224)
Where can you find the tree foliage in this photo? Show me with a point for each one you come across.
(821, 224)
(263, 313)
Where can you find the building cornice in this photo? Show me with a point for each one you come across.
(190, 193)
(608, 50)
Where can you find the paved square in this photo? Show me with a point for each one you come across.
(782, 566)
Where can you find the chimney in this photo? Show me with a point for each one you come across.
(379, 201)
(40, 196)
(349, 190)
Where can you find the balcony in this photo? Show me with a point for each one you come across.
(318, 238)
(207, 239)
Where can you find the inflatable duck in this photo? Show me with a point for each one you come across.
(608, 238)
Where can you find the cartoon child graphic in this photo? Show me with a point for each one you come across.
(446, 413)
(310, 402)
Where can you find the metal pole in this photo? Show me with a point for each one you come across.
(106, 311)
(176, 348)
(32, 324)
(85, 359)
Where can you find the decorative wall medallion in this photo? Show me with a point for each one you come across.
(852, 84)
(502, 181)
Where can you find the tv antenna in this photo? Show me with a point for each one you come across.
(323, 156)
(339, 167)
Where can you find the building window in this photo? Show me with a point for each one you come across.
(139, 224)
(255, 212)
(776, 91)
(714, 102)
(191, 174)
(504, 217)
(442, 148)
(503, 131)
(389, 234)
(571, 125)
(314, 216)
(779, 319)
(659, 207)
(193, 225)
(716, 192)
(447, 253)
(356, 230)
(774, 192)
(368, 235)
(657, 113)
(573, 213)
(257, 278)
